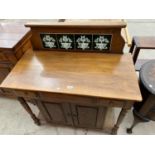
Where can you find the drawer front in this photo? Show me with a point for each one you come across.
(26, 94)
(6, 64)
(26, 46)
(22, 49)
(3, 73)
(19, 53)
(3, 57)
(64, 98)
(8, 92)
(117, 103)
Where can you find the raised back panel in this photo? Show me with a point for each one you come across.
(82, 37)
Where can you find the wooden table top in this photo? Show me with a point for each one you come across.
(147, 42)
(87, 74)
(11, 34)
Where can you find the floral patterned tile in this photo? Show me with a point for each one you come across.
(49, 41)
(102, 42)
(83, 42)
(76, 41)
(65, 41)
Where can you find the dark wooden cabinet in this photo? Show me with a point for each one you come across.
(14, 42)
(88, 116)
(56, 112)
(73, 114)
(85, 116)
(4, 71)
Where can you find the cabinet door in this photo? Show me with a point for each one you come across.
(88, 116)
(55, 112)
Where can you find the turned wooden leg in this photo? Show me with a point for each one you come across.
(119, 121)
(28, 109)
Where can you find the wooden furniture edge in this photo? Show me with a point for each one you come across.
(120, 24)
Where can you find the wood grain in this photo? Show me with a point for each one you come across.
(11, 34)
(99, 75)
(90, 28)
(78, 24)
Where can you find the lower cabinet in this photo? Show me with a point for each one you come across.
(73, 114)
(88, 116)
(56, 112)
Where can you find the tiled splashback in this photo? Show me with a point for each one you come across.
(99, 42)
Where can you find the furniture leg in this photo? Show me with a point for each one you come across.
(135, 55)
(132, 47)
(28, 109)
(119, 121)
(135, 122)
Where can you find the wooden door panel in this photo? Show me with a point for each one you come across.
(87, 116)
(56, 112)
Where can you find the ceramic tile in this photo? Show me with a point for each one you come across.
(102, 42)
(83, 42)
(65, 41)
(76, 41)
(49, 40)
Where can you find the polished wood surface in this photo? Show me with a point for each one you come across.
(113, 29)
(11, 34)
(93, 74)
(138, 43)
(145, 42)
(124, 32)
(94, 24)
(75, 88)
(14, 41)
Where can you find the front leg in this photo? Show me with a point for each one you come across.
(28, 109)
(119, 121)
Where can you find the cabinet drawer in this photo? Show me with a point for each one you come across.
(26, 46)
(6, 65)
(19, 53)
(26, 94)
(3, 57)
(8, 91)
(3, 73)
(64, 98)
(4, 70)
(116, 103)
